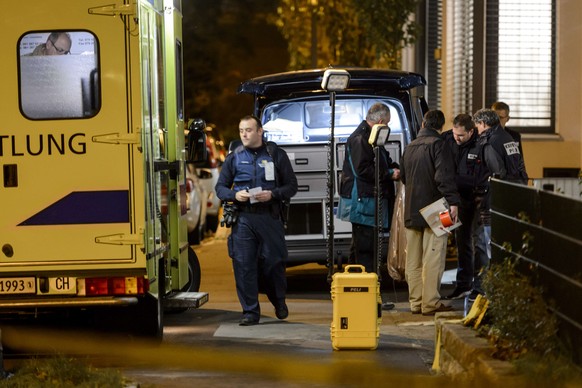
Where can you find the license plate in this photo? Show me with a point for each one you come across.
(17, 286)
(62, 285)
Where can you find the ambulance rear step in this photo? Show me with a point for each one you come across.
(184, 300)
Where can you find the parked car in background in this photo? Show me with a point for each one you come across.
(209, 171)
(217, 142)
(197, 195)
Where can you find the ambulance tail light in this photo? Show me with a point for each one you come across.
(122, 285)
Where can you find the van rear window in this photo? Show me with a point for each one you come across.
(297, 122)
(58, 75)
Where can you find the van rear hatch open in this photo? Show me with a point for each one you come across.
(296, 114)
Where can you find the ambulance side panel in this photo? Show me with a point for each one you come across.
(72, 190)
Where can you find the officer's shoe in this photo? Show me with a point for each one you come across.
(247, 321)
(459, 292)
(282, 311)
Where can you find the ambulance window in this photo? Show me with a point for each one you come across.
(58, 73)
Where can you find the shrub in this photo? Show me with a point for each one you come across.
(520, 318)
(61, 372)
(523, 328)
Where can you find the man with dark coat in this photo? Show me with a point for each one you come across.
(492, 134)
(472, 177)
(428, 173)
(501, 155)
(359, 167)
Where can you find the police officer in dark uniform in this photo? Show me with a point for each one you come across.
(491, 134)
(257, 177)
(501, 155)
(472, 178)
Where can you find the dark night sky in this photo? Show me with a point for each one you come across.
(225, 43)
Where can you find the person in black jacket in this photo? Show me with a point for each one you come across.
(428, 173)
(257, 181)
(502, 110)
(472, 178)
(501, 155)
(491, 134)
(359, 167)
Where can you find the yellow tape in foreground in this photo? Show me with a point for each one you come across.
(265, 365)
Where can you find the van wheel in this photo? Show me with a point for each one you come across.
(194, 272)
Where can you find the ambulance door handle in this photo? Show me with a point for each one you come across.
(118, 138)
(10, 175)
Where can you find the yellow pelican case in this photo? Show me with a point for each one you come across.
(357, 309)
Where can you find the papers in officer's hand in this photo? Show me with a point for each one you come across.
(432, 215)
(254, 191)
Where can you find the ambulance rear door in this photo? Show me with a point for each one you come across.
(70, 148)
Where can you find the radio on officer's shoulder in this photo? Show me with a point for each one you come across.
(379, 135)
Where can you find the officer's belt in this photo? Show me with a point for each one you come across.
(256, 209)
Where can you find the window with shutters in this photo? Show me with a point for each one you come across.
(503, 50)
(520, 66)
(461, 62)
(434, 36)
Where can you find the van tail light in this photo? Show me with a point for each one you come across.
(126, 285)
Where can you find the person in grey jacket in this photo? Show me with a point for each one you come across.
(428, 173)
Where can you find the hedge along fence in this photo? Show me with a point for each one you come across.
(544, 231)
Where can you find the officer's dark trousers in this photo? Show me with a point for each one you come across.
(258, 251)
(470, 253)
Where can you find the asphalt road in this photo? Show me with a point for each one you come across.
(282, 351)
(206, 347)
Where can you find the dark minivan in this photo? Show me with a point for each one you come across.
(296, 114)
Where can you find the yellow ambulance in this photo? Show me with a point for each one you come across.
(93, 158)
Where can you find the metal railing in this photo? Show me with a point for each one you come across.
(552, 225)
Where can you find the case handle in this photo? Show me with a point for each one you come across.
(352, 268)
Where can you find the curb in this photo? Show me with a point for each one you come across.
(461, 354)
